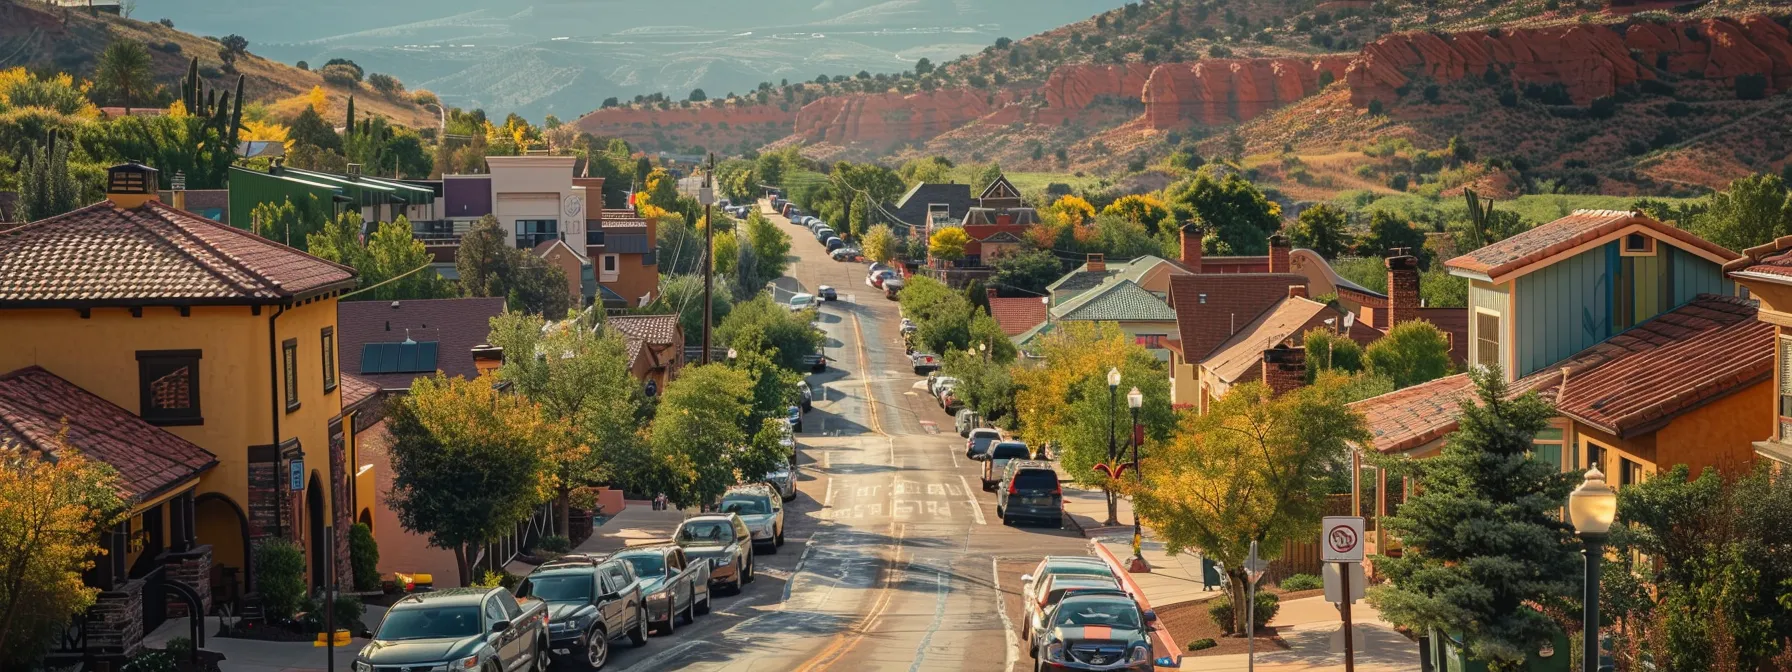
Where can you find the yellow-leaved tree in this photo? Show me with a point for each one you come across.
(878, 244)
(318, 100)
(1073, 209)
(51, 511)
(948, 244)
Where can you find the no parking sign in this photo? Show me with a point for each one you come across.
(1341, 538)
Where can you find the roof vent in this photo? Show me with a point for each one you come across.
(395, 305)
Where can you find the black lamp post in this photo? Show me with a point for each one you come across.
(1591, 507)
(1113, 451)
(1134, 400)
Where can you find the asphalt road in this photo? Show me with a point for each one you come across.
(895, 559)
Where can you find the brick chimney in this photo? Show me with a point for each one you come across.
(1191, 246)
(1403, 289)
(1097, 262)
(1284, 368)
(1297, 291)
(1278, 253)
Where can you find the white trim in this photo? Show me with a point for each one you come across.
(1602, 240)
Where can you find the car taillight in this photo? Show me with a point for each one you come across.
(1011, 489)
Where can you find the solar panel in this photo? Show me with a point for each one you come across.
(399, 357)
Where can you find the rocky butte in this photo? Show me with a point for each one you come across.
(1226, 91)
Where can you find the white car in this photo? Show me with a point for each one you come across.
(801, 301)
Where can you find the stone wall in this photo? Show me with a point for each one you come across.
(116, 619)
(193, 568)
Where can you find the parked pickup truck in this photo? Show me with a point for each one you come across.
(479, 629)
(672, 583)
(590, 603)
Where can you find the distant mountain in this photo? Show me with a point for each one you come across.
(565, 56)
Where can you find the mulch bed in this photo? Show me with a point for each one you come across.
(1189, 622)
(265, 632)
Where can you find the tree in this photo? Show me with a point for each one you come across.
(1253, 468)
(1411, 353)
(1327, 350)
(878, 244)
(391, 252)
(987, 175)
(385, 84)
(1067, 404)
(769, 169)
(947, 244)
(1322, 229)
(1486, 552)
(309, 128)
(1142, 209)
(1388, 232)
(51, 512)
(683, 295)
(584, 385)
(364, 557)
(1073, 210)
(126, 71)
(698, 423)
(662, 190)
(1753, 211)
(771, 248)
(859, 220)
(45, 187)
(341, 75)
(1233, 210)
(985, 385)
(1027, 272)
(233, 46)
(923, 67)
(484, 259)
(537, 287)
(697, 96)
(468, 463)
(766, 325)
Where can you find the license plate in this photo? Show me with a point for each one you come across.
(1035, 501)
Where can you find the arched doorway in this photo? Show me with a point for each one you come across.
(314, 514)
(366, 518)
(221, 523)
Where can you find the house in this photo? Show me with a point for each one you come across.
(624, 251)
(392, 343)
(1017, 315)
(1766, 272)
(329, 194)
(995, 225)
(655, 348)
(200, 361)
(572, 262)
(929, 205)
(1143, 315)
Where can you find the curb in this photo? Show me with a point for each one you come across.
(1161, 635)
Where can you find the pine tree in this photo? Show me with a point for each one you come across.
(45, 187)
(1485, 548)
(349, 128)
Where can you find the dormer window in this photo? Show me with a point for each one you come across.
(1638, 245)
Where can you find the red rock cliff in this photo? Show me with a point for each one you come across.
(620, 121)
(889, 117)
(1074, 87)
(1226, 91)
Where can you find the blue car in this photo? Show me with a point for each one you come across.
(795, 417)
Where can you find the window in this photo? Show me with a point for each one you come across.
(1596, 457)
(1785, 384)
(607, 268)
(1547, 446)
(329, 342)
(1638, 245)
(532, 232)
(1629, 473)
(168, 387)
(1487, 339)
(1150, 340)
(290, 362)
(609, 263)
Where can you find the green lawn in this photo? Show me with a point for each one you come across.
(1536, 208)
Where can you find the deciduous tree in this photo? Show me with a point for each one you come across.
(764, 324)
(878, 244)
(1233, 210)
(1027, 272)
(1322, 229)
(1327, 350)
(1411, 353)
(1753, 211)
(1073, 210)
(947, 244)
(51, 511)
(697, 425)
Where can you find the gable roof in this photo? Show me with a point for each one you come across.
(985, 216)
(1118, 301)
(1771, 262)
(35, 403)
(1502, 259)
(1638, 380)
(1232, 300)
(1001, 188)
(102, 255)
(642, 330)
(1411, 417)
(1243, 352)
(356, 390)
(1135, 269)
(1017, 315)
(957, 195)
(454, 325)
(547, 246)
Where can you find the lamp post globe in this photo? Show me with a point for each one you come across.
(1591, 508)
(1113, 378)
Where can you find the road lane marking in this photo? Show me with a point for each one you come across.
(976, 509)
(858, 337)
(834, 652)
(995, 573)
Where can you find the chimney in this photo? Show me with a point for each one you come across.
(1284, 368)
(1097, 263)
(1191, 246)
(130, 185)
(1297, 291)
(1278, 253)
(1403, 289)
(487, 358)
(991, 293)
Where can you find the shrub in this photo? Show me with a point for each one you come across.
(1603, 107)
(280, 577)
(491, 579)
(166, 22)
(1375, 108)
(1431, 92)
(1398, 182)
(364, 557)
(1508, 98)
(385, 84)
(554, 543)
(1301, 582)
(1656, 86)
(340, 75)
(348, 614)
(1203, 643)
(1221, 612)
(1676, 109)
(302, 66)
(151, 661)
(169, 47)
(179, 647)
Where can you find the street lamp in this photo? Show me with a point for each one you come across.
(1591, 507)
(731, 355)
(1113, 452)
(1134, 400)
(982, 351)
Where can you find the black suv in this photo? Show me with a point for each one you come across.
(590, 603)
(1029, 492)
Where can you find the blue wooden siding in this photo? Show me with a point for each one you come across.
(1693, 275)
(1563, 308)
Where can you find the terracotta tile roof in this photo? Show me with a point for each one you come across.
(356, 389)
(1243, 352)
(34, 403)
(655, 329)
(1017, 315)
(1232, 300)
(1408, 418)
(455, 325)
(155, 254)
(1771, 261)
(1561, 235)
(1677, 361)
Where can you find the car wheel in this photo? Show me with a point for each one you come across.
(638, 635)
(779, 541)
(542, 659)
(670, 624)
(597, 649)
(772, 548)
(703, 607)
(690, 607)
(734, 586)
(752, 568)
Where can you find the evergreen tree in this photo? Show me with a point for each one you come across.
(1485, 549)
(45, 187)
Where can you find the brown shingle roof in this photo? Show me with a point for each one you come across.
(1674, 362)
(34, 403)
(455, 325)
(1564, 234)
(356, 389)
(1408, 418)
(1232, 301)
(1243, 352)
(1017, 315)
(155, 254)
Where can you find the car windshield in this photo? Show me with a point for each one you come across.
(1009, 451)
(746, 506)
(1110, 613)
(564, 588)
(646, 564)
(799, 300)
(430, 623)
(706, 533)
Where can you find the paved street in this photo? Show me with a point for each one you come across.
(895, 559)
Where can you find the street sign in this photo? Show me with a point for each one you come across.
(1334, 584)
(1255, 566)
(1341, 539)
(298, 474)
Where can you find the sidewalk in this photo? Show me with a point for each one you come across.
(636, 524)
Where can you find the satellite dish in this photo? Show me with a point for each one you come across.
(1349, 319)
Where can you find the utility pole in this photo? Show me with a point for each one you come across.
(707, 195)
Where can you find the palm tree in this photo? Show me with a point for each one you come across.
(125, 68)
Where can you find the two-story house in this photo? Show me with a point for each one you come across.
(200, 361)
(1766, 272)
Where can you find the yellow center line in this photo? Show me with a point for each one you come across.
(858, 338)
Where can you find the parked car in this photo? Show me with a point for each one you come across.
(762, 510)
(784, 478)
(949, 401)
(995, 460)
(908, 327)
(964, 421)
(847, 253)
(672, 585)
(461, 628)
(834, 243)
(892, 288)
(794, 417)
(823, 233)
(807, 396)
(1029, 491)
(800, 301)
(723, 541)
(590, 604)
(827, 293)
(1054, 589)
(936, 381)
(979, 440)
(817, 362)
(878, 278)
(924, 362)
(1053, 565)
(1095, 631)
